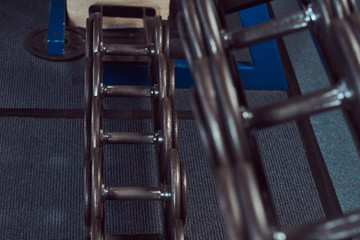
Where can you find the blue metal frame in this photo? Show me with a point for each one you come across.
(265, 71)
(126, 75)
(56, 28)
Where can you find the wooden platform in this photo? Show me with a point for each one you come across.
(78, 12)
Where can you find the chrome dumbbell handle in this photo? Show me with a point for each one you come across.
(172, 173)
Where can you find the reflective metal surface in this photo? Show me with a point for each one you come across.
(226, 123)
(172, 172)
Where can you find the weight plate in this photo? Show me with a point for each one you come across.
(211, 26)
(166, 129)
(96, 122)
(166, 34)
(183, 191)
(325, 10)
(89, 37)
(160, 74)
(87, 192)
(36, 44)
(148, 38)
(190, 19)
(349, 71)
(178, 231)
(171, 93)
(152, 73)
(97, 204)
(163, 76)
(87, 142)
(97, 74)
(148, 33)
(154, 70)
(343, 8)
(154, 34)
(88, 102)
(158, 35)
(354, 23)
(350, 6)
(97, 31)
(175, 129)
(173, 182)
(171, 79)
(353, 6)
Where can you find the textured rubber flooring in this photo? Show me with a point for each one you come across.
(333, 135)
(41, 160)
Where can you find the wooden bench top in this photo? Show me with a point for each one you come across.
(77, 11)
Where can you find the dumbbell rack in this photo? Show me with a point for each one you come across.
(227, 124)
(172, 172)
